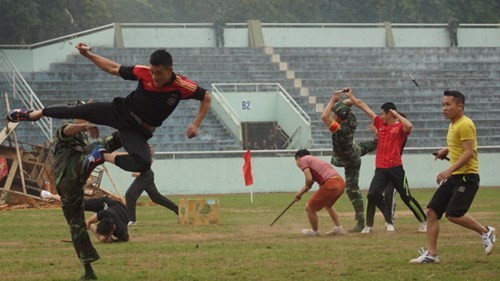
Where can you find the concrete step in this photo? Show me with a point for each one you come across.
(393, 66)
(388, 74)
(384, 50)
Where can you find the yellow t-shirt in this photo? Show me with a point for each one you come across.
(462, 130)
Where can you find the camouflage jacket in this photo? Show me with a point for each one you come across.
(68, 153)
(344, 147)
(453, 24)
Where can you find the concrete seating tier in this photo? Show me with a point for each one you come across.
(402, 66)
(379, 75)
(77, 78)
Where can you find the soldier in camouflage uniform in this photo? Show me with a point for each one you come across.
(452, 28)
(346, 152)
(70, 148)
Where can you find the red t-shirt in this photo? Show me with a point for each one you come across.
(320, 170)
(153, 105)
(390, 144)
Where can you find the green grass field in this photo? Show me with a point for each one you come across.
(245, 247)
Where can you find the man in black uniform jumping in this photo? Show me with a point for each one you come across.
(136, 116)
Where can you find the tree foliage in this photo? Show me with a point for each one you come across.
(31, 21)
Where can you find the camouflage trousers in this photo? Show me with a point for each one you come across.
(352, 166)
(71, 192)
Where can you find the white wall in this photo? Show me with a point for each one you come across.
(259, 106)
(324, 37)
(279, 174)
(168, 37)
(44, 55)
(38, 57)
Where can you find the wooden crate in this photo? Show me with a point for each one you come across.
(199, 211)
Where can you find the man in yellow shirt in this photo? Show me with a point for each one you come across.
(459, 183)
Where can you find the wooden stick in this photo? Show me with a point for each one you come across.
(19, 158)
(286, 209)
(113, 183)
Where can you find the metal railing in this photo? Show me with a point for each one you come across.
(22, 91)
(223, 109)
(291, 152)
(293, 142)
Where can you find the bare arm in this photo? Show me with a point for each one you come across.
(361, 105)
(468, 147)
(192, 130)
(91, 223)
(442, 153)
(91, 220)
(326, 116)
(407, 125)
(103, 63)
(73, 129)
(307, 186)
(347, 102)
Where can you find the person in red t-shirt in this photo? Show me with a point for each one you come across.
(393, 130)
(331, 187)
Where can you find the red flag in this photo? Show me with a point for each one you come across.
(247, 169)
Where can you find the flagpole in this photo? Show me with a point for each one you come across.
(251, 194)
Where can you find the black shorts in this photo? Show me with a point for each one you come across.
(455, 196)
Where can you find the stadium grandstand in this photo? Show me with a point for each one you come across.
(378, 67)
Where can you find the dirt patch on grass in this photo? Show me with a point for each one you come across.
(11, 243)
(14, 201)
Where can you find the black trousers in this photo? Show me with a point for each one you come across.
(133, 137)
(397, 177)
(146, 182)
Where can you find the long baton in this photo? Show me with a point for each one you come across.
(288, 207)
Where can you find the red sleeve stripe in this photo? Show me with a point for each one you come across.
(334, 126)
(140, 68)
(188, 85)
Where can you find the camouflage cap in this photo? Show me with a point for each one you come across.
(341, 110)
(76, 102)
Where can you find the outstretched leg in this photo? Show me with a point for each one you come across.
(400, 182)
(132, 195)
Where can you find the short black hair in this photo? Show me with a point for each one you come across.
(105, 226)
(388, 106)
(457, 96)
(301, 153)
(161, 57)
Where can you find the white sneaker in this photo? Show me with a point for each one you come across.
(310, 232)
(336, 230)
(367, 230)
(489, 240)
(425, 257)
(44, 194)
(389, 227)
(131, 223)
(423, 227)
